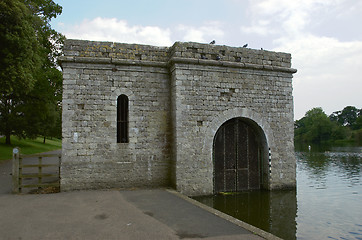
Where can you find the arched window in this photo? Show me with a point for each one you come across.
(122, 119)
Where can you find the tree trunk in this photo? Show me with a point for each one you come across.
(7, 139)
(44, 140)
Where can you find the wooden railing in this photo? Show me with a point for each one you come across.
(31, 172)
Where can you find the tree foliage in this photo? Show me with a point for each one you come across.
(316, 127)
(19, 52)
(347, 117)
(30, 86)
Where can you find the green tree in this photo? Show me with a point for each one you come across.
(19, 60)
(315, 127)
(45, 99)
(358, 137)
(358, 123)
(340, 127)
(28, 52)
(41, 107)
(346, 117)
(340, 132)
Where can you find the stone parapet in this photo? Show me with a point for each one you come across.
(190, 53)
(230, 54)
(80, 48)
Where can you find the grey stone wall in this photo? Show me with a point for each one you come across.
(179, 97)
(92, 158)
(207, 93)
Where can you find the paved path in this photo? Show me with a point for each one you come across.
(5, 177)
(113, 214)
(185, 218)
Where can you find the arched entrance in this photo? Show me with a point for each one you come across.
(239, 147)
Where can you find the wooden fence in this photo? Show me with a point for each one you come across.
(36, 172)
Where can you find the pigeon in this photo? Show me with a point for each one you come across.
(212, 42)
(245, 45)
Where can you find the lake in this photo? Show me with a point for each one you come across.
(326, 205)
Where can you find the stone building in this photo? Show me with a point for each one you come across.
(197, 117)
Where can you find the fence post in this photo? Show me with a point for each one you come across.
(15, 173)
(59, 162)
(40, 172)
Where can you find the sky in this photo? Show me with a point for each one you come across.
(323, 36)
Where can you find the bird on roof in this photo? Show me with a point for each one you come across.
(212, 42)
(245, 45)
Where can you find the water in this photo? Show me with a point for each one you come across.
(326, 205)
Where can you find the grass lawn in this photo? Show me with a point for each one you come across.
(28, 146)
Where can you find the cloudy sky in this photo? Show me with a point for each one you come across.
(323, 36)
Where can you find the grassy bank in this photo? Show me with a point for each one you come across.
(28, 146)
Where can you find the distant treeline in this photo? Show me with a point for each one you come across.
(340, 128)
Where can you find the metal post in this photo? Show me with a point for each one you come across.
(15, 172)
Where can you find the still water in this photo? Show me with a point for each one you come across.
(326, 205)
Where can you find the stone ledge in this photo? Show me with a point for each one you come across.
(114, 61)
(138, 62)
(175, 60)
(221, 63)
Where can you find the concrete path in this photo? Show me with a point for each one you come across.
(185, 218)
(113, 214)
(5, 177)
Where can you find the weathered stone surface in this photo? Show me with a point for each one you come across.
(178, 99)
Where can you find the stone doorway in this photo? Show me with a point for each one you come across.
(237, 157)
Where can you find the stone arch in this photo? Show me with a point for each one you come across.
(122, 118)
(253, 118)
(124, 91)
(131, 118)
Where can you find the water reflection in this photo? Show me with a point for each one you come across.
(329, 194)
(326, 205)
(271, 211)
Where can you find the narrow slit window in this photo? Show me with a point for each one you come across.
(122, 119)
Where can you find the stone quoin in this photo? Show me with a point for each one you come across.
(198, 117)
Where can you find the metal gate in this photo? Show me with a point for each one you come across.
(236, 157)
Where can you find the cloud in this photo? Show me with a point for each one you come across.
(328, 68)
(328, 72)
(259, 27)
(111, 29)
(204, 33)
(283, 16)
